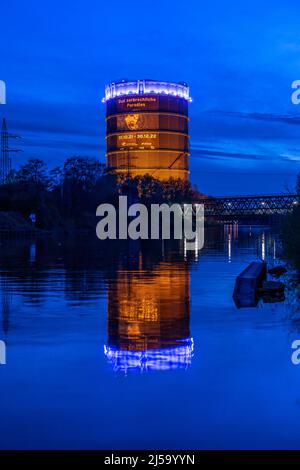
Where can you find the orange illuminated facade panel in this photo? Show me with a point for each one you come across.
(147, 121)
(147, 129)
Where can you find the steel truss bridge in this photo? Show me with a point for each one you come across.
(250, 206)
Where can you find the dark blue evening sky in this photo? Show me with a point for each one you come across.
(239, 61)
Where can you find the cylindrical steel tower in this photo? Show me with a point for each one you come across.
(147, 128)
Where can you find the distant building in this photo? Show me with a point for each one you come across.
(147, 128)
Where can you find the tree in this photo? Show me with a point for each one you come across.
(83, 171)
(34, 172)
(81, 175)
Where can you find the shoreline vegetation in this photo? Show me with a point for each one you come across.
(291, 235)
(65, 198)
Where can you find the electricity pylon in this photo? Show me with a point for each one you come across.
(5, 160)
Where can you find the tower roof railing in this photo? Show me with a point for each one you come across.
(146, 87)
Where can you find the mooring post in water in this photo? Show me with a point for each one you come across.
(247, 284)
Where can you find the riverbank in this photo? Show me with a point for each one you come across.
(13, 222)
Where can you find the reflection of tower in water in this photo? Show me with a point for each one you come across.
(148, 319)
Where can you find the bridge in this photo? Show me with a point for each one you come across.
(250, 206)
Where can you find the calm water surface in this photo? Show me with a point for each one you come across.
(142, 346)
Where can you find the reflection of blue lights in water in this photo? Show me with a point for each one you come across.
(179, 357)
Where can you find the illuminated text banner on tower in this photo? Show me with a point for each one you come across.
(139, 140)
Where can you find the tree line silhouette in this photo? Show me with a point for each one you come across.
(67, 196)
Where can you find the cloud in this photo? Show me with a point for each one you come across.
(290, 158)
(267, 117)
(226, 153)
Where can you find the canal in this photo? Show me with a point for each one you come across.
(119, 346)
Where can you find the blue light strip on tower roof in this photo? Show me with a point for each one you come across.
(145, 87)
